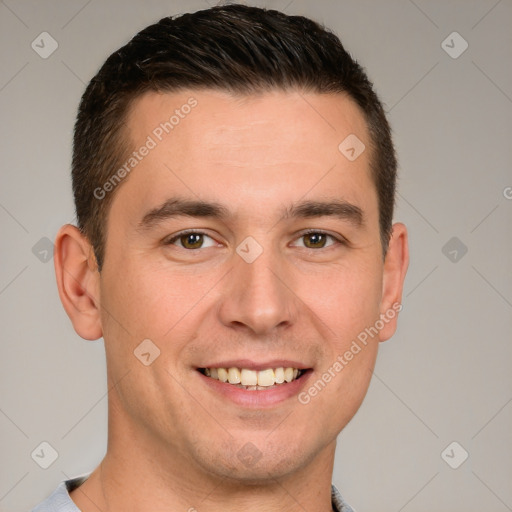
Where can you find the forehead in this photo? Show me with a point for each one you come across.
(280, 118)
(214, 144)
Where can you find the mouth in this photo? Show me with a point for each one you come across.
(254, 380)
(250, 384)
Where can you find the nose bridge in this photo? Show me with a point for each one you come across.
(256, 296)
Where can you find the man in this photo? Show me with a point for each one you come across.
(234, 181)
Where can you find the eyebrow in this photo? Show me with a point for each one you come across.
(338, 208)
(179, 207)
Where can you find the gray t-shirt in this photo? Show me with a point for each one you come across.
(60, 500)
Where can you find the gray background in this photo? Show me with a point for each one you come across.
(444, 377)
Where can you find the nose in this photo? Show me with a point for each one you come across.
(258, 297)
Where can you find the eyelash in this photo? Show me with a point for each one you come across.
(340, 240)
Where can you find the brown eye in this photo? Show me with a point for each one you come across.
(315, 240)
(191, 240)
(318, 240)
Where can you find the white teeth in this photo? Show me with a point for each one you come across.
(222, 374)
(252, 379)
(248, 377)
(234, 376)
(266, 378)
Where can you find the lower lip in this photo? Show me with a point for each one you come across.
(257, 398)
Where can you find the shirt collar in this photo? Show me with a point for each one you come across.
(338, 503)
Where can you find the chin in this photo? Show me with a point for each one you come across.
(251, 466)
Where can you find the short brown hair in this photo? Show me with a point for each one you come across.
(234, 48)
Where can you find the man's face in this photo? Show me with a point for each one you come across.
(251, 289)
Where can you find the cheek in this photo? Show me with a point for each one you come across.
(150, 300)
(350, 308)
(347, 300)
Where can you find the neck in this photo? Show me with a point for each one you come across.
(145, 475)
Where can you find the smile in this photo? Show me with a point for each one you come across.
(253, 380)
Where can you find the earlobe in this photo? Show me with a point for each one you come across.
(78, 281)
(395, 269)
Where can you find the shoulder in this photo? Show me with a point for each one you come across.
(59, 500)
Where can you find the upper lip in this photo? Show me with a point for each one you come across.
(256, 365)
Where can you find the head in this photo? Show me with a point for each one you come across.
(294, 261)
(237, 49)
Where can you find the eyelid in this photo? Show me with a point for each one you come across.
(170, 240)
(341, 240)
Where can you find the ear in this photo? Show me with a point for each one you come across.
(395, 268)
(78, 281)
